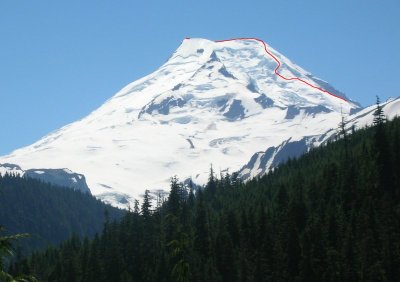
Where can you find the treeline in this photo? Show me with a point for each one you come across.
(331, 215)
(50, 214)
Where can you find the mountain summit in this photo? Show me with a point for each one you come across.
(210, 103)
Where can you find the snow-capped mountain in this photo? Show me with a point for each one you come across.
(210, 103)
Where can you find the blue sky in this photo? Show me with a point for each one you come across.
(59, 60)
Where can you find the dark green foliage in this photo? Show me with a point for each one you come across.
(49, 214)
(379, 115)
(331, 215)
(7, 251)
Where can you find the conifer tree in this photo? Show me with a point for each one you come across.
(6, 250)
(384, 166)
(174, 198)
(146, 205)
(342, 125)
(211, 187)
(201, 226)
(136, 209)
(379, 115)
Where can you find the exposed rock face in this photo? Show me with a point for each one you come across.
(60, 177)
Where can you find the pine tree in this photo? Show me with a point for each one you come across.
(6, 250)
(136, 209)
(180, 271)
(211, 187)
(379, 115)
(342, 125)
(174, 198)
(383, 163)
(146, 205)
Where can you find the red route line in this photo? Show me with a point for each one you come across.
(279, 65)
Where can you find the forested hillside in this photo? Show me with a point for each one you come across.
(48, 213)
(331, 215)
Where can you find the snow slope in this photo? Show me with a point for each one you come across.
(261, 162)
(209, 103)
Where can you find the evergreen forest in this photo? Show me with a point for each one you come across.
(50, 214)
(330, 215)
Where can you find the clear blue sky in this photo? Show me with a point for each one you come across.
(59, 60)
